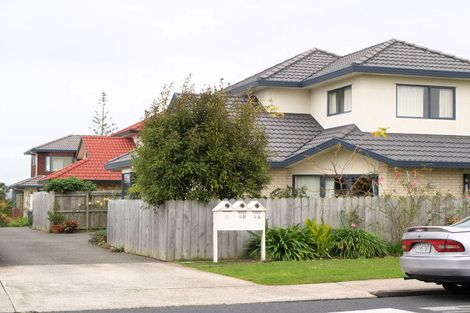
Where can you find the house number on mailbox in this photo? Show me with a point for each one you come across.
(239, 216)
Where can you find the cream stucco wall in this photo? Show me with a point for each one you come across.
(336, 161)
(374, 105)
(287, 100)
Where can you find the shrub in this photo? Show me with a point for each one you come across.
(99, 237)
(321, 236)
(69, 226)
(55, 217)
(204, 147)
(395, 249)
(289, 192)
(19, 222)
(284, 244)
(353, 243)
(67, 185)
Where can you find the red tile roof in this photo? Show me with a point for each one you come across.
(134, 127)
(99, 150)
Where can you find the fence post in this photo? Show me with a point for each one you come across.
(87, 210)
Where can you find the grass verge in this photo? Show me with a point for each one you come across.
(304, 272)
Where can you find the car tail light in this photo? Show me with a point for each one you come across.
(407, 244)
(441, 245)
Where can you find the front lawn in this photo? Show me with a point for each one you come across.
(304, 272)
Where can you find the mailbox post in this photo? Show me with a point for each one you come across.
(239, 216)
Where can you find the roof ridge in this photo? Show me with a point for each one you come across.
(55, 140)
(357, 51)
(105, 137)
(286, 63)
(352, 126)
(433, 51)
(27, 179)
(376, 51)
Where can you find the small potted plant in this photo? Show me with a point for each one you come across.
(57, 219)
(70, 226)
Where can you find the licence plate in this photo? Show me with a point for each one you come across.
(422, 248)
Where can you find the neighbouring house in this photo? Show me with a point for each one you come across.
(123, 163)
(332, 104)
(45, 159)
(92, 155)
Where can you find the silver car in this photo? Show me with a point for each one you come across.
(439, 254)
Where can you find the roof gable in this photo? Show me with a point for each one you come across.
(389, 57)
(100, 149)
(292, 71)
(68, 143)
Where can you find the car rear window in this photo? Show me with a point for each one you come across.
(463, 223)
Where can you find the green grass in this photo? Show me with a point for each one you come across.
(304, 272)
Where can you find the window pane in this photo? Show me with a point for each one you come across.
(347, 99)
(332, 103)
(58, 163)
(311, 183)
(329, 187)
(446, 103)
(410, 100)
(48, 163)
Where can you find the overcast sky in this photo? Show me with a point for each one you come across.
(57, 56)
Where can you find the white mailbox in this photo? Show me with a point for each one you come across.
(239, 216)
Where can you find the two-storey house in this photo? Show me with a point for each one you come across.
(332, 104)
(45, 159)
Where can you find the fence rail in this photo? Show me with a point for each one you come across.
(183, 229)
(89, 209)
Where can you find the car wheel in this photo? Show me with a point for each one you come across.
(457, 288)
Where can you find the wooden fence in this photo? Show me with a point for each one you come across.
(43, 202)
(183, 229)
(89, 209)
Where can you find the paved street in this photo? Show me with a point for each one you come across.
(51, 272)
(418, 304)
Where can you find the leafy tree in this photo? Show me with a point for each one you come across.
(204, 147)
(102, 124)
(71, 184)
(3, 191)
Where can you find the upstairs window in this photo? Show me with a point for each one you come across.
(339, 101)
(426, 102)
(55, 163)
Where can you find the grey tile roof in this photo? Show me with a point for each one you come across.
(68, 143)
(33, 182)
(394, 56)
(401, 54)
(398, 54)
(348, 60)
(287, 133)
(120, 162)
(407, 150)
(295, 69)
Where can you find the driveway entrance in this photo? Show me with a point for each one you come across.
(62, 272)
(24, 246)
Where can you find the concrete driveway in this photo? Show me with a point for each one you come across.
(61, 272)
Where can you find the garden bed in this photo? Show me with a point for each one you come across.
(304, 272)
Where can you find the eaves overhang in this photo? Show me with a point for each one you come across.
(395, 163)
(348, 70)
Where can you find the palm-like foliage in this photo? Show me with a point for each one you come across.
(285, 244)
